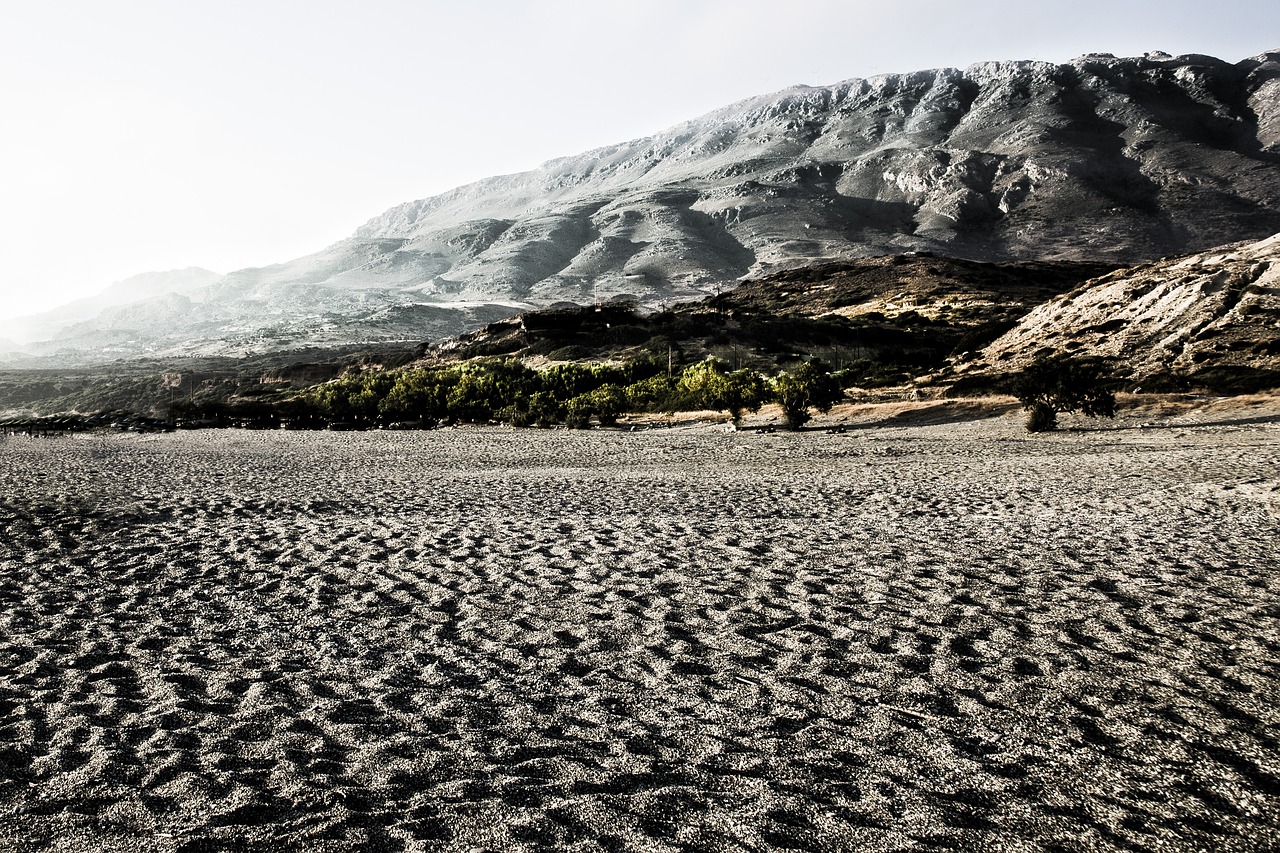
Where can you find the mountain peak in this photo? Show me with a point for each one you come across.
(1109, 159)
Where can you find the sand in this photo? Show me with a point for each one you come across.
(919, 634)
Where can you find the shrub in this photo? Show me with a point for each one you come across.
(517, 414)
(577, 413)
(566, 381)
(650, 395)
(607, 402)
(417, 395)
(571, 352)
(544, 410)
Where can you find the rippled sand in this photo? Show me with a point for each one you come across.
(896, 638)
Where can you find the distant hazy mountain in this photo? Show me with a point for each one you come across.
(1099, 159)
(147, 285)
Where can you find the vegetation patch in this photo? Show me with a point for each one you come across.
(1062, 384)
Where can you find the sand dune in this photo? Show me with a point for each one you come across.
(903, 637)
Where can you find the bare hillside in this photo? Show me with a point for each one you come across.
(1218, 311)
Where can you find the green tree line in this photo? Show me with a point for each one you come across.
(508, 391)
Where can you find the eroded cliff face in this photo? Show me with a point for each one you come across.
(1217, 311)
(1098, 159)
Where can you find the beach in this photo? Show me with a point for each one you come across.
(919, 633)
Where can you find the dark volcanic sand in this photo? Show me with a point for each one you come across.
(945, 636)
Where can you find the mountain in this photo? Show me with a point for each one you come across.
(138, 288)
(147, 285)
(1117, 160)
(1205, 319)
(1098, 159)
(1208, 321)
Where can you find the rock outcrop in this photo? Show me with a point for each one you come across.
(1215, 314)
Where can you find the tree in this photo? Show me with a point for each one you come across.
(419, 393)
(809, 386)
(705, 385)
(1056, 384)
(608, 402)
(700, 386)
(512, 381)
(744, 390)
(566, 381)
(352, 397)
(475, 396)
(653, 394)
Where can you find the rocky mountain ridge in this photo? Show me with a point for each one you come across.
(1098, 159)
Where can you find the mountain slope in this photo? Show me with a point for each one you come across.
(1099, 159)
(1214, 315)
(884, 319)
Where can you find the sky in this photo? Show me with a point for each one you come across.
(140, 135)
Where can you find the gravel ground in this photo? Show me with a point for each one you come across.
(917, 634)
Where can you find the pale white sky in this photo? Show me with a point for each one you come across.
(141, 135)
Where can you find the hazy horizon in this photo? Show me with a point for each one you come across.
(148, 137)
